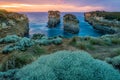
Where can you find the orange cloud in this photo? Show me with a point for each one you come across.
(17, 7)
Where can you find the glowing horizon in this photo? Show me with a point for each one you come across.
(44, 6)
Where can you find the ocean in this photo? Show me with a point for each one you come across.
(38, 24)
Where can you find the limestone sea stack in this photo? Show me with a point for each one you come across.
(13, 23)
(71, 24)
(53, 18)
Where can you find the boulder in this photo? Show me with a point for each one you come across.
(12, 23)
(71, 24)
(53, 18)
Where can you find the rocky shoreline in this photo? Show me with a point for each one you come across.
(12, 23)
(99, 21)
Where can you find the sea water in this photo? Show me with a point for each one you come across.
(38, 24)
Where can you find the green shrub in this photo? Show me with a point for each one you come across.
(1, 40)
(38, 50)
(115, 40)
(96, 41)
(46, 41)
(17, 60)
(67, 65)
(9, 39)
(37, 36)
(81, 45)
(115, 61)
(9, 75)
(43, 41)
(20, 45)
(73, 41)
(57, 40)
(117, 51)
(9, 48)
(25, 42)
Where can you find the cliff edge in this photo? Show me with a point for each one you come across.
(105, 22)
(13, 23)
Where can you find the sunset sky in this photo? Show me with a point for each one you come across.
(61, 5)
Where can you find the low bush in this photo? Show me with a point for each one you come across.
(43, 42)
(24, 42)
(67, 65)
(115, 40)
(20, 45)
(37, 36)
(57, 40)
(82, 43)
(115, 61)
(117, 51)
(107, 41)
(9, 75)
(96, 41)
(47, 41)
(9, 48)
(10, 39)
(16, 60)
(38, 50)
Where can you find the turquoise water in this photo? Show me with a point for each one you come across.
(38, 24)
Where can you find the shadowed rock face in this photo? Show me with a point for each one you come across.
(71, 24)
(53, 18)
(13, 23)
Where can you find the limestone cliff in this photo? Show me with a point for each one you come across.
(105, 22)
(13, 23)
(71, 24)
(53, 18)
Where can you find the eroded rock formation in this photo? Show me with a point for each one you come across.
(105, 22)
(13, 23)
(53, 18)
(71, 24)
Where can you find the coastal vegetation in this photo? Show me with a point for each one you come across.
(65, 65)
(57, 58)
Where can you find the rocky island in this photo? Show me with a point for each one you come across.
(71, 24)
(13, 23)
(53, 18)
(105, 22)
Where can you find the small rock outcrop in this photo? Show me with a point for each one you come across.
(53, 18)
(12, 23)
(71, 24)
